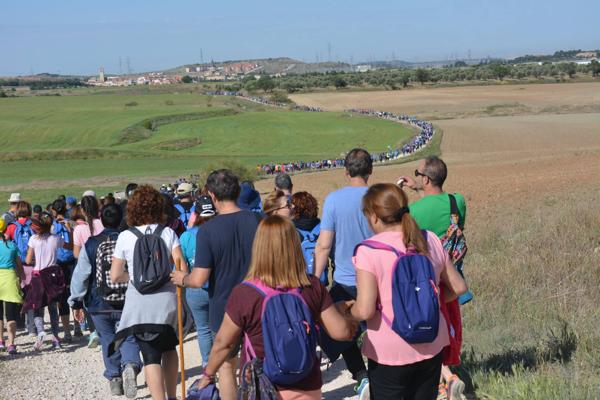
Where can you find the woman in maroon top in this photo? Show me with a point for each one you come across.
(277, 261)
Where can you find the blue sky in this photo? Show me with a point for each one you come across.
(77, 37)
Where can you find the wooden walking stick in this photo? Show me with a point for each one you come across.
(180, 331)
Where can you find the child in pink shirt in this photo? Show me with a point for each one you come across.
(397, 369)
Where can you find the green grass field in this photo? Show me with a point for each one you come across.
(101, 140)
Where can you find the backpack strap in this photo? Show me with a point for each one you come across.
(136, 232)
(91, 247)
(373, 244)
(454, 210)
(255, 287)
(159, 230)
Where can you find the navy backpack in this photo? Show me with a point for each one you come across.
(209, 392)
(289, 335)
(414, 295)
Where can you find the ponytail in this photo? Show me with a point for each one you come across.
(90, 208)
(42, 225)
(413, 236)
(390, 204)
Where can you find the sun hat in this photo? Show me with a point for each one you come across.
(3, 225)
(205, 207)
(185, 188)
(89, 193)
(14, 198)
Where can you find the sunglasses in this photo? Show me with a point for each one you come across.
(418, 173)
(288, 204)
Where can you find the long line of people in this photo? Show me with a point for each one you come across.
(417, 142)
(266, 281)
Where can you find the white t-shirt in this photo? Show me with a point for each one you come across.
(126, 243)
(45, 250)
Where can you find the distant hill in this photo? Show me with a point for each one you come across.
(290, 66)
(561, 55)
(271, 66)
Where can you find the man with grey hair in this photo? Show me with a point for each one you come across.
(10, 216)
(283, 182)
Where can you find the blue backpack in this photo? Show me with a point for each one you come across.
(289, 335)
(23, 233)
(209, 392)
(414, 295)
(184, 215)
(64, 255)
(309, 242)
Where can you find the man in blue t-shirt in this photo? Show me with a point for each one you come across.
(223, 253)
(345, 225)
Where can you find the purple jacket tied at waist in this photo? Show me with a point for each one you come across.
(45, 287)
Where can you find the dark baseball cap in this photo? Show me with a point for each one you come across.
(205, 206)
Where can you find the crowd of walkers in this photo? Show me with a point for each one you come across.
(417, 142)
(265, 100)
(271, 289)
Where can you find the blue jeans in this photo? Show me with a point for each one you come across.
(128, 353)
(197, 300)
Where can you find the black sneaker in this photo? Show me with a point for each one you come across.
(78, 333)
(116, 386)
(130, 373)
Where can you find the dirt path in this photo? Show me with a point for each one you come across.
(75, 372)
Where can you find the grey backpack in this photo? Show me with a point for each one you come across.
(151, 261)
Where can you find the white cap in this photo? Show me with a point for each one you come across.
(89, 193)
(14, 198)
(185, 188)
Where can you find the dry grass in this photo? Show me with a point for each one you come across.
(532, 184)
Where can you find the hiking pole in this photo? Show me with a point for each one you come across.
(180, 331)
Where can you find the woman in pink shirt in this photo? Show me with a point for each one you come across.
(398, 369)
(92, 227)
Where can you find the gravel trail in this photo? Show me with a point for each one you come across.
(75, 372)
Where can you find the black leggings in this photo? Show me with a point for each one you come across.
(418, 381)
(352, 356)
(152, 350)
(63, 305)
(12, 311)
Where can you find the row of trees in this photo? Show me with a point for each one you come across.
(399, 78)
(43, 83)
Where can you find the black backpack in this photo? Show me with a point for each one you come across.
(112, 293)
(151, 260)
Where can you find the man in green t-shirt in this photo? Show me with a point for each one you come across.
(432, 212)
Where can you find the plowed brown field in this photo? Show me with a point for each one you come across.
(527, 159)
(466, 101)
(490, 159)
